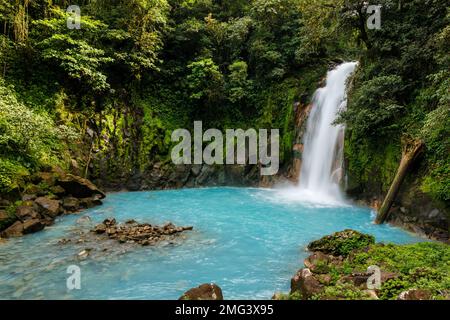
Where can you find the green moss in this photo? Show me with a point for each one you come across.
(371, 166)
(342, 243)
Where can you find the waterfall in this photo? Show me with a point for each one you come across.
(322, 170)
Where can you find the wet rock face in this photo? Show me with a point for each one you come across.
(132, 232)
(207, 291)
(79, 187)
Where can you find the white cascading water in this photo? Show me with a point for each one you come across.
(322, 170)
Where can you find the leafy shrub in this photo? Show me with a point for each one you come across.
(11, 173)
(27, 140)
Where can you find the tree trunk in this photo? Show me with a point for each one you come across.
(411, 149)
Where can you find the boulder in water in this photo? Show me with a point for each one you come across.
(15, 230)
(206, 291)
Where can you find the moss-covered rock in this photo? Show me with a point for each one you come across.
(342, 243)
(417, 271)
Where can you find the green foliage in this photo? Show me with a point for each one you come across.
(401, 88)
(342, 291)
(73, 50)
(205, 81)
(27, 140)
(373, 107)
(419, 266)
(239, 87)
(436, 134)
(23, 133)
(11, 174)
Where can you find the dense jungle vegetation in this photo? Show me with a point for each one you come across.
(109, 95)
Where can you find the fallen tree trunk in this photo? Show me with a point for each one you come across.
(410, 151)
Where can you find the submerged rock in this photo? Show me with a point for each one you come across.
(206, 291)
(84, 253)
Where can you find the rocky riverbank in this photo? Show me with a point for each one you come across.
(343, 266)
(42, 199)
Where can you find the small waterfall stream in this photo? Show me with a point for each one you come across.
(322, 170)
